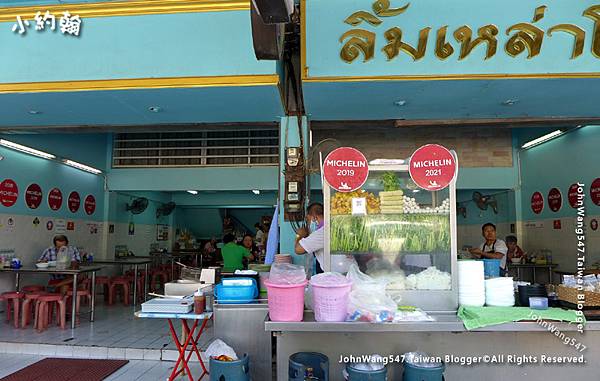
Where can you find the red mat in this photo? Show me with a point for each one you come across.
(53, 369)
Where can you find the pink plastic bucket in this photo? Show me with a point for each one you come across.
(286, 301)
(330, 302)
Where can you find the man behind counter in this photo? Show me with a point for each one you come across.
(492, 248)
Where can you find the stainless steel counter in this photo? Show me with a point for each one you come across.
(443, 323)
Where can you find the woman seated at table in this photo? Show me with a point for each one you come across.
(50, 254)
(248, 243)
(514, 251)
(233, 254)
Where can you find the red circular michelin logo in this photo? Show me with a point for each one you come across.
(537, 202)
(554, 199)
(346, 169)
(432, 167)
(55, 199)
(9, 192)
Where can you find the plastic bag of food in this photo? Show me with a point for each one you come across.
(286, 273)
(218, 348)
(369, 301)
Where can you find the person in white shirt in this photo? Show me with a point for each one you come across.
(260, 234)
(311, 239)
(492, 248)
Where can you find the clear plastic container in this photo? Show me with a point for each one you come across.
(538, 303)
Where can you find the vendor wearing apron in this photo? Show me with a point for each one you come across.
(492, 248)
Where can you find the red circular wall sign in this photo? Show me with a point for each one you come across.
(554, 199)
(33, 196)
(594, 224)
(346, 169)
(74, 202)
(9, 192)
(90, 204)
(573, 192)
(595, 191)
(537, 203)
(55, 199)
(432, 167)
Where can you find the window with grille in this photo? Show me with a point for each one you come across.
(219, 148)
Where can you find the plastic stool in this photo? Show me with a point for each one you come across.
(105, 282)
(13, 305)
(45, 304)
(230, 370)
(301, 361)
(29, 301)
(80, 294)
(118, 281)
(163, 275)
(32, 288)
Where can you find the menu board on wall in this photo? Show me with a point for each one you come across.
(74, 202)
(55, 199)
(90, 204)
(554, 199)
(537, 202)
(33, 196)
(9, 192)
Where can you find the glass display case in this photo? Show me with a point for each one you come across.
(395, 231)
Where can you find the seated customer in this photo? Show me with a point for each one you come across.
(51, 254)
(233, 254)
(514, 251)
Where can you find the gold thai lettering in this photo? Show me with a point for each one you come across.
(527, 37)
(485, 34)
(358, 17)
(382, 8)
(576, 32)
(360, 41)
(395, 44)
(443, 49)
(594, 14)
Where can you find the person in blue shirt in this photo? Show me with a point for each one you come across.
(60, 282)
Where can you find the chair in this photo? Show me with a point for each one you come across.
(158, 275)
(29, 301)
(33, 288)
(114, 283)
(45, 305)
(80, 294)
(105, 282)
(13, 305)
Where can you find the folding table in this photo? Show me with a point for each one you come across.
(189, 337)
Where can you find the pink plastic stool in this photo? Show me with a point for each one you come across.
(118, 281)
(13, 305)
(105, 282)
(45, 305)
(29, 301)
(158, 276)
(35, 288)
(80, 294)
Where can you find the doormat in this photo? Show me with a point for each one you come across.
(56, 369)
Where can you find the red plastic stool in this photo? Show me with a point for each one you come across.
(118, 281)
(13, 305)
(32, 288)
(105, 282)
(80, 294)
(29, 301)
(44, 308)
(158, 275)
(141, 282)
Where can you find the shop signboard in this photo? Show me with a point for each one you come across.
(33, 196)
(537, 202)
(74, 202)
(55, 199)
(554, 200)
(432, 167)
(9, 192)
(345, 169)
(595, 191)
(90, 204)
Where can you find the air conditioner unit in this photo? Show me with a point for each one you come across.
(274, 11)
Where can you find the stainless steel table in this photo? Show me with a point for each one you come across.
(135, 262)
(533, 266)
(55, 271)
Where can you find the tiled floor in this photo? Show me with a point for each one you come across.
(134, 370)
(116, 333)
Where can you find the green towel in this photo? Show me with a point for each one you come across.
(477, 317)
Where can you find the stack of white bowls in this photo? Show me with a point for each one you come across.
(471, 283)
(499, 292)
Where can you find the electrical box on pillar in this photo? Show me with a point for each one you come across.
(274, 11)
(294, 184)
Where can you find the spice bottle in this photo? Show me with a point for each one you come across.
(199, 302)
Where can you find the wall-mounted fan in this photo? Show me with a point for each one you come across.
(165, 209)
(138, 205)
(462, 210)
(483, 202)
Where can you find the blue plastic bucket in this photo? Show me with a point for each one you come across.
(414, 373)
(366, 375)
(230, 370)
(301, 361)
(491, 268)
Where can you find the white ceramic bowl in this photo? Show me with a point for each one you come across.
(516, 260)
(42, 265)
(52, 263)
